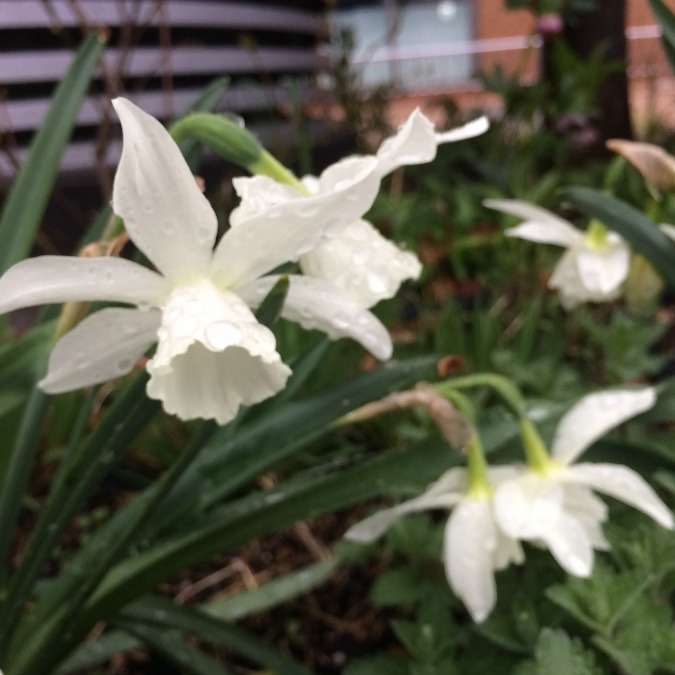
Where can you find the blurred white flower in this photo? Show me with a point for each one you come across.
(359, 260)
(212, 355)
(474, 546)
(595, 263)
(554, 504)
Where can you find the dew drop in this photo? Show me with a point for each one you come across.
(340, 321)
(221, 334)
(203, 235)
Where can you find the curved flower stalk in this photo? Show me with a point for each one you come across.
(553, 502)
(595, 263)
(474, 546)
(212, 354)
(359, 260)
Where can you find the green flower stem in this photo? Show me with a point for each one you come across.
(535, 449)
(479, 482)
(502, 386)
(267, 165)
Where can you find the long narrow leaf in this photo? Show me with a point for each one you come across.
(272, 593)
(641, 232)
(74, 483)
(169, 616)
(175, 651)
(30, 193)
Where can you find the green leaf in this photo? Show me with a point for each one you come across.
(74, 483)
(602, 600)
(261, 513)
(28, 198)
(397, 587)
(98, 652)
(270, 308)
(377, 665)
(558, 654)
(271, 593)
(169, 617)
(642, 233)
(172, 649)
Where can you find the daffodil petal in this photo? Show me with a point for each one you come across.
(468, 551)
(541, 226)
(258, 194)
(362, 262)
(569, 545)
(590, 511)
(469, 130)
(289, 229)
(593, 416)
(416, 142)
(55, 279)
(165, 213)
(455, 480)
(105, 345)
(376, 525)
(602, 272)
(566, 280)
(623, 484)
(317, 304)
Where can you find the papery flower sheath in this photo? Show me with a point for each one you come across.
(554, 505)
(359, 260)
(473, 546)
(212, 354)
(592, 268)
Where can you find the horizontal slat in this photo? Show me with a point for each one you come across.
(27, 115)
(50, 65)
(32, 14)
(80, 157)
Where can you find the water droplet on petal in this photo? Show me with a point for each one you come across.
(340, 321)
(222, 334)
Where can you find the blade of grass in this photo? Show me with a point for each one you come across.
(168, 616)
(74, 482)
(173, 650)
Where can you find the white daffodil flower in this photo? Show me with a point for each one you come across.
(473, 547)
(359, 260)
(212, 355)
(595, 263)
(554, 505)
